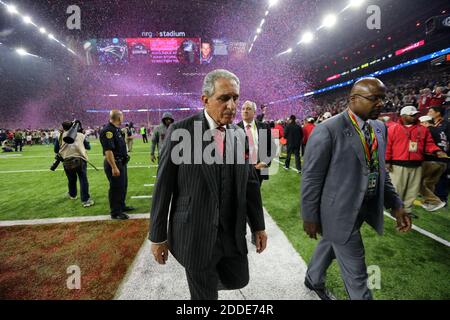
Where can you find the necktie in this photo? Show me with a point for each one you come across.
(366, 130)
(219, 139)
(251, 144)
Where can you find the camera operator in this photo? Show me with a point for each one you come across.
(115, 165)
(74, 157)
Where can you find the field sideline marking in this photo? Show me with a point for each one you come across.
(414, 227)
(424, 232)
(20, 156)
(48, 170)
(141, 197)
(11, 223)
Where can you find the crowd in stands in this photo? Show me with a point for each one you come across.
(421, 90)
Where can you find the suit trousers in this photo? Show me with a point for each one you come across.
(407, 184)
(296, 152)
(431, 173)
(350, 258)
(228, 270)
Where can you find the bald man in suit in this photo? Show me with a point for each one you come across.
(345, 184)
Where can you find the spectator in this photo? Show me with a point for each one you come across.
(440, 132)
(408, 142)
(307, 130)
(432, 169)
(294, 136)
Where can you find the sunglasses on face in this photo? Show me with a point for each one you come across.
(372, 98)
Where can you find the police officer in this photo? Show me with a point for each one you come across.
(115, 165)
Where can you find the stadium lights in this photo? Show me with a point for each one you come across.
(256, 36)
(355, 3)
(262, 22)
(329, 21)
(258, 31)
(307, 37)
(272, 3)
(42, 30)
(12, 9)
(267, 12)
(51, 36)
(21, 51)
(27, 19)
(284, 52)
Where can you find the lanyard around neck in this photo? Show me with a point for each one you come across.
(371, 155)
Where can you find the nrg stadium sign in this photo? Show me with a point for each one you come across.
(163, 34)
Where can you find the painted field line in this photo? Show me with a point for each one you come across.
(414, 227)
(276, 160)
(89, 168)
(141, 197)
(20, 156)
(149, 185)
(424, 232)
(11, 223)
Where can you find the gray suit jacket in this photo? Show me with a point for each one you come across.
(335, 179)
(190, 193)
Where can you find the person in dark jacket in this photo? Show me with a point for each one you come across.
(294, 136)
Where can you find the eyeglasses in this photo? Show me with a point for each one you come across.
(372, 98)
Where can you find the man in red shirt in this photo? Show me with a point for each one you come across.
(407, 144)
(438, 97)
(307, 130)
(424, 101)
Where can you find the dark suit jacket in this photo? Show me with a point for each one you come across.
(335, 179)
(294, 135)
(190, 193)
(265, 155)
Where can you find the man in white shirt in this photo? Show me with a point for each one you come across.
(259, 140)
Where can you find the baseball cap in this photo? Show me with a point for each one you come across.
(408, 111)
(425, 118)
(327, 115)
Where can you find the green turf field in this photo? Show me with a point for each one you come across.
(412, 266)
(41, 193)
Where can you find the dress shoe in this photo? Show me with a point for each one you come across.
(119, 216)
(323, 293)
(126, 209)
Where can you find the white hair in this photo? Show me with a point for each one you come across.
(251, 103)
(210, 80)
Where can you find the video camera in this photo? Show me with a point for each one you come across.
(72, 132)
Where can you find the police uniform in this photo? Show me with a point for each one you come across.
(111, 139)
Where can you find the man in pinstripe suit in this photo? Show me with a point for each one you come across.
(208, 203)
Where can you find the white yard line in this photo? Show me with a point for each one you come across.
(414, 227)
(282, 164)
(89, 168)
(20, 156)
(424, 232)
(141, 197)
(67, 220)
(149, 185)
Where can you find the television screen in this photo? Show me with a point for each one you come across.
(112, 51)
